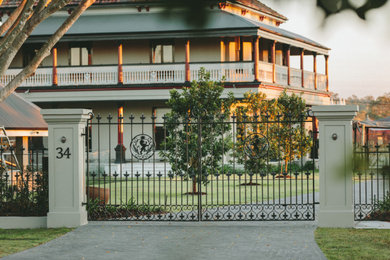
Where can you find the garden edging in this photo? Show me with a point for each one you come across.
(23, 222)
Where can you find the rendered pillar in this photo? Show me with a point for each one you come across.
(273, 58)
(120, 62)
(55, 77)
(288, 51)
(66, 166)
(302, 68)
(327, 71)
(335, 157)
(315, 69)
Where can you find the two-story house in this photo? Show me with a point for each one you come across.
(123, 57)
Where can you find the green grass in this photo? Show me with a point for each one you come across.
(16, 240)
(224, 191)
(356, 244)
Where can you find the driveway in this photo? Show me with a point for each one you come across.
(173, 240)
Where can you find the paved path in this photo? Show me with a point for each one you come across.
(189, 241)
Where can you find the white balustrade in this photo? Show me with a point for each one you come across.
(321, 82)
(281, 75)
(165, 73)
(296, 78)
(230, 72)
(153, 73)
(87, 75)
(265, 71)
(42, 77)
(309, 80)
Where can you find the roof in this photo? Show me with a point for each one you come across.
(380, 123)
(17, 113)
(255, 4)
(155, 25)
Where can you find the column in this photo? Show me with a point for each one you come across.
(327, 71)
(187, 60)
(66, 166)
(288, 50)
(273, 59)
(120, 62)
(256, 57)
(120, 149)
(55, 78)
(302, 68)
(335, 157)
(315, 69)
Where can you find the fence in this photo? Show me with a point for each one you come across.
(371, 180)
(23, 182)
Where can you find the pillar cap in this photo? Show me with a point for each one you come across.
(66, 115)
(335, 112)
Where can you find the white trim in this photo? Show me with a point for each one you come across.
(18, 133)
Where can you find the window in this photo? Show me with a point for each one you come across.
(78, 56)
(162, 52)
(159, 130)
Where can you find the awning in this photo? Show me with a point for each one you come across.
(17, 113)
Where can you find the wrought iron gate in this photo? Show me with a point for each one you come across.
(201, 168)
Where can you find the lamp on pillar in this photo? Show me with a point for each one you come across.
(55, 78)
(256, 56)
(120, 149)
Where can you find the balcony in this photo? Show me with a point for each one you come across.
(169, 74)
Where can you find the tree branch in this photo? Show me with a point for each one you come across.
(12, 18)
(45, 50)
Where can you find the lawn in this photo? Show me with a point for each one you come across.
(340, 243)
(16, 240)
(218, 191)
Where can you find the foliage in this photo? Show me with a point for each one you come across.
(381, 210)
(99, 211)
(26, 195)
(374, 108)
(16, 240)
(357, 244)
(289, 135)
(197, 137)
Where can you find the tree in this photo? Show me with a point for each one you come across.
(253, 114)
(197, 137)
(289, 135)
(19, 26)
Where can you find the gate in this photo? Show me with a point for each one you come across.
(201, 168)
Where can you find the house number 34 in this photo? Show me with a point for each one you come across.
(61, 153)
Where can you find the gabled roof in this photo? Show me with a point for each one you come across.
(17, 113)
(255, 4)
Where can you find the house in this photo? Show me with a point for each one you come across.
(123, 57)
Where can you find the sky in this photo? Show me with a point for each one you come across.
(359, 61)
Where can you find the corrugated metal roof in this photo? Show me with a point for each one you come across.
(255, 4)
(141, 24)
(17, 113)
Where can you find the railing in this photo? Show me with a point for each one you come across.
(296, 78)
(309, 80)
(230, 72)
(96, 75)
(281, 75)
(265, 71)
(154, 73)
(321, 82)
(166, 73)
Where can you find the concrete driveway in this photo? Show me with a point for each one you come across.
(200, 240)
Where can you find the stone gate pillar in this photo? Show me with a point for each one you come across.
(66, 147)
(335, 160)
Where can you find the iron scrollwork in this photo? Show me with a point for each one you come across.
(142, 147)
